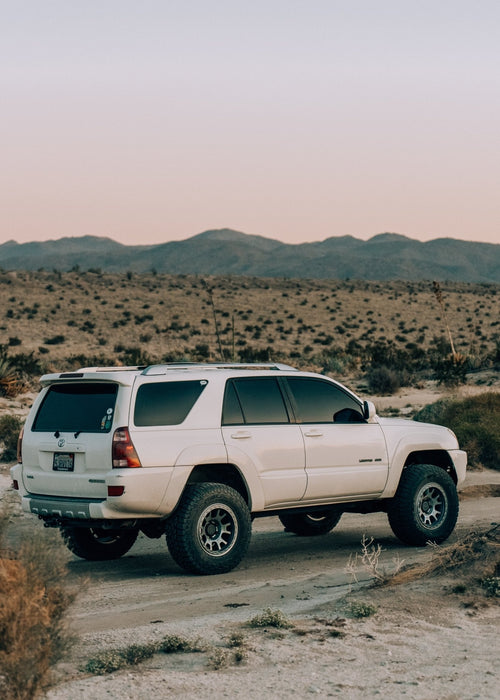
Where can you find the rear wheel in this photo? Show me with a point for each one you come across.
(210, 531)
(98, 544)
(425, 507)
(307, 524)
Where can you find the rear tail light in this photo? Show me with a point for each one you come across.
(116, 490)
(20, 446)
(123, 451)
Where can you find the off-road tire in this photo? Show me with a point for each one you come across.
(309, 524)
(98, 544)
(210, 531)
(425, 507)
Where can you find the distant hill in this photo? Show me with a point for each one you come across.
(223, 251)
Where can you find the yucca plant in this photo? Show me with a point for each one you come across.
(8, 379)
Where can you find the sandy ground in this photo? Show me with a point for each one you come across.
(425, 641)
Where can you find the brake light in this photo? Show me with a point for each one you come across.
(20, 446)
(123, 451)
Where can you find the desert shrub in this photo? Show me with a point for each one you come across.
(173, 644)
(491, 585)
(383, 380)
(55, 340)
(270, 618)
(8, 381)
(359, 610)
(202, 350)
(250, 354)
(34, 599)
(9, 433)
(474, 421)
(81, 360)
(135, 356)
(26, 365)
(111, 660)
(451, 371)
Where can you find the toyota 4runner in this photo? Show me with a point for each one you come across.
(195, 452)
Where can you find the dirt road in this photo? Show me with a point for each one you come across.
(416, 646)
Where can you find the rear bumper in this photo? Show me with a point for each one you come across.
(70, 509)
(146, 494)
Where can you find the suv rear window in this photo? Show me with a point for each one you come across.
(84, 408)
(166, 403)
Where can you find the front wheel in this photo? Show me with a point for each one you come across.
(210, 531)
(425, 507)
(314, 523)
(98, 544)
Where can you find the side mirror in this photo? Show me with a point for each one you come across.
(369, 410)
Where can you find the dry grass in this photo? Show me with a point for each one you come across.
(33, 604)
(473, 558)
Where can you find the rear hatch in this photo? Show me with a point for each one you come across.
(67, 440)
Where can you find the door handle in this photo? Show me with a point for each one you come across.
(313, 433)
(240, 435)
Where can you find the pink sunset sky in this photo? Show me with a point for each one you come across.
(293, 119)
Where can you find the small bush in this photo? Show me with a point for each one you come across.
(173, 644)
(474, 421)
(451, 371)
(360, 610)
(9, 433)
(55, 340)
(491, 585)
(111, 660)
(383, 381)
(270, 618)
(218, 658)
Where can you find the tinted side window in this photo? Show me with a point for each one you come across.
(318, 402)
(231, 411)
(166, 403)
(86, 407)
(260, 399)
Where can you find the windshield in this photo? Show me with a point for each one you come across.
(86, 407)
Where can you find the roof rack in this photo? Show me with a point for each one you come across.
(161, 369)
(123, 368)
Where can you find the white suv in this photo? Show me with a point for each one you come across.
(197, 451)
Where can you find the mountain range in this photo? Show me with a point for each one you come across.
(386, 256)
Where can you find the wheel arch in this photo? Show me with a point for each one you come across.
(439, 458)
(224, 473)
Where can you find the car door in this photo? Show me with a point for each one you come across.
(261, 439)
(345, 455)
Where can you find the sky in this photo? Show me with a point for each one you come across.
(298, 120)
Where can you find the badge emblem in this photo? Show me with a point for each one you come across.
(61, 442)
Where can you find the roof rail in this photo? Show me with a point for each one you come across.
(162, 368)
(131, 368)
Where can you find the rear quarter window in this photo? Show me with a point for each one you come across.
(166, 403)
(86, 407)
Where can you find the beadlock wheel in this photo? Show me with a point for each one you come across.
(432, 505)
(217, 529)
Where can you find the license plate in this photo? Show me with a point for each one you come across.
(63, 462)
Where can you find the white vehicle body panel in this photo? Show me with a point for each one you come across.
(281, 466)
